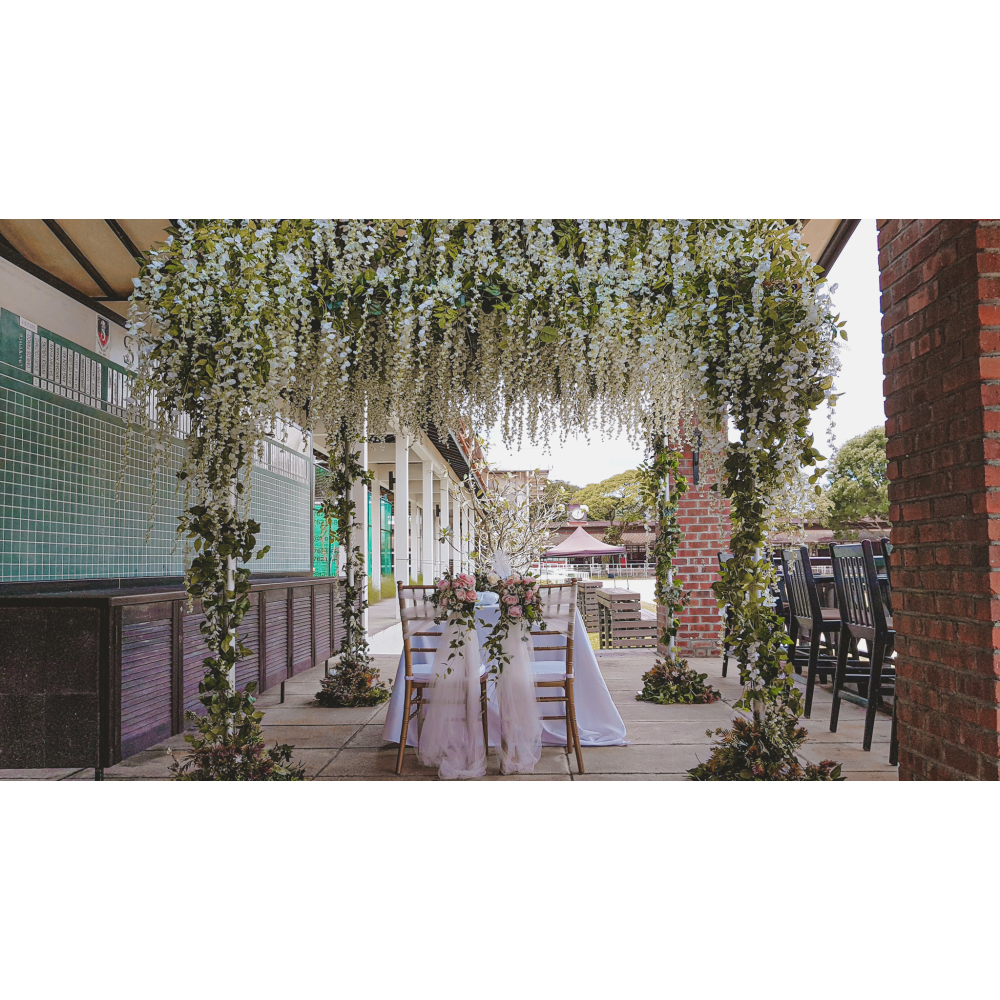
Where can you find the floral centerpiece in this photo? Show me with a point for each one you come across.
(520, 604)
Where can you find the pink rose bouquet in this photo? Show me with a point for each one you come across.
(455, 595)
(518, 602)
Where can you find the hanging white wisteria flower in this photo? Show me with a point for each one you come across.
(648, 327)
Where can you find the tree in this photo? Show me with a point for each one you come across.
(516, 513)
(797, 503)
(859, 487)
(616, 499)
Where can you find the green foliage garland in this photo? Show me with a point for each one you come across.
(355, 681)
(204, 326)
(671, 681)
(762, 750)
(593, 324)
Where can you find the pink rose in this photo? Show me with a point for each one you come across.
(442, 584)
(510, 600)
(515, 612)
(470, 595)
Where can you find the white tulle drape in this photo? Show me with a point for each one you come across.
(520, 714)
(451, 736)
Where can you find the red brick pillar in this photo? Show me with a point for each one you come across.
(705, 523)
(940, 282)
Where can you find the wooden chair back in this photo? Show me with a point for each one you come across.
(800, 588)
(858, 592)
(415, 610)
(566, 603)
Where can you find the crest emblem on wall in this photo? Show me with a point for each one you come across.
(103, 335)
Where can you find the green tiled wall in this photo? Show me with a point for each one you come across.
(60, 455)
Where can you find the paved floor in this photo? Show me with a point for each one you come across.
(345, 744)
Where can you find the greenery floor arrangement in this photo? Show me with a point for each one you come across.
(355, 683)
(673, 682)
(762, 750)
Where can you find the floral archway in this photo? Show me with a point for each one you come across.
(653, 328)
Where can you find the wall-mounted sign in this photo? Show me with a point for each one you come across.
(103, 335)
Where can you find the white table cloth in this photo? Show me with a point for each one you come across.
(597, 717)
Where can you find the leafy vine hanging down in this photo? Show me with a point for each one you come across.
(355, 681)
(203, 324)
(671, 680)
(589, 325)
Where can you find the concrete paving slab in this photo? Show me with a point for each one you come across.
(639, 759)
(42, 773)
(311, 737)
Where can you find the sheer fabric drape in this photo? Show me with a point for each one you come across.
(451, 736)
(520, 714)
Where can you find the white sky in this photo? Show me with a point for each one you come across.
(858, 409)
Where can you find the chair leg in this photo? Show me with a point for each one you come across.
(811, 676)
(874, 686)
(486, 723)
(838, 683)
(571, 718)
(793, 632)
(407, 695)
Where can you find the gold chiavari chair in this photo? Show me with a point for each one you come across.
(558, 604)
(416, 612)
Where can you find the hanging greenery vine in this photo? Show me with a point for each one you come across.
(355, 681)
(595, 325)
(671, 680)
(204, 329)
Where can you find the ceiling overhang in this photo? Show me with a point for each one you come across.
(91, 260)
(826, 238)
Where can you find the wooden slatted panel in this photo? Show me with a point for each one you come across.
(323, 648)
(249, 633)
(302, 657)
(195, 651)
(146, 655)
(276, 633)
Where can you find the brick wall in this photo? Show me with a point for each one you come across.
(697, 564)
(940, 282)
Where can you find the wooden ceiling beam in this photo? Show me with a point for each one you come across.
(10, 253)
(82, 259)
(126, 241)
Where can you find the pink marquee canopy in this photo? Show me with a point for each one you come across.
(582, 543)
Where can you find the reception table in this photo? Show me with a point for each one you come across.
(597, 717)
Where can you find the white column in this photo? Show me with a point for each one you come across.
(427, 561)
(401, 518)
(445, 547)
(375, 570)
(456, 554)
(472, 533)
(464, 527)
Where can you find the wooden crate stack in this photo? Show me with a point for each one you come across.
(586, 600)
(620, 620)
